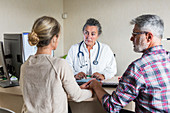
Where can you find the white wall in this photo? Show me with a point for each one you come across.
(19, 16)
(114, 16)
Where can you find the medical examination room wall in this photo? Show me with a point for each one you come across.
(114, 16)
(17, 16)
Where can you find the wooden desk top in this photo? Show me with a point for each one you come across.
(17, 91)
(11, 90)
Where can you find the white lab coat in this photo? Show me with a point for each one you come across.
(106, 60)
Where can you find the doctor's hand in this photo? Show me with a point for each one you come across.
(98, 76)
(80, 75)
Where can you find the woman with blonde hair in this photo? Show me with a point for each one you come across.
(45, 80)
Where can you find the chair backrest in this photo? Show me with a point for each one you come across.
(5, 110)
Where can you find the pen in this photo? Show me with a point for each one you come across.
(88, 75)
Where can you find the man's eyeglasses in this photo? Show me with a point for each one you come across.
(138, 33)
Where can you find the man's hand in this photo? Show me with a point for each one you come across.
(97, 88)
(87, 84)
(94, 83)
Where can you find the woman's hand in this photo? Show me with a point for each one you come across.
(98, 76)
(80, 75)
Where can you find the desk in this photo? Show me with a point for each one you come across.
(92, 105)
(11, 98)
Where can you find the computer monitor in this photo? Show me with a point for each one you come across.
(4, 70)
(14, 53)
(6, 81)
(17, 51)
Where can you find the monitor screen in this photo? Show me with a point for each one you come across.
(27, 49)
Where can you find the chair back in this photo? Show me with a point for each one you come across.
(5, 110)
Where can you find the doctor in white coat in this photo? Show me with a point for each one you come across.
(90, 58)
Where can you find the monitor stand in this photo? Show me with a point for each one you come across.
(7, 83)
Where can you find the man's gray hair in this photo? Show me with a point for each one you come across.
(150, 23)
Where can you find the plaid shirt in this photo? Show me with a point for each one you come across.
(146, 82)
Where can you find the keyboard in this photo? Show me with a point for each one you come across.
(6, 83)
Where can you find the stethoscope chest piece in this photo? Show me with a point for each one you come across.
(95, 62)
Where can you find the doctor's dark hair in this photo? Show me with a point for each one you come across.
(150, 23)
(43, 30)
(93, 22)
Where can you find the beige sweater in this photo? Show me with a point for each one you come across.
(46, 82)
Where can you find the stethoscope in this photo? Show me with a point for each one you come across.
(95, 62)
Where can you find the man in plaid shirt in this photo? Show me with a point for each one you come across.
(146, 80)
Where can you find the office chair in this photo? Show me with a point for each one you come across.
(5, 110)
